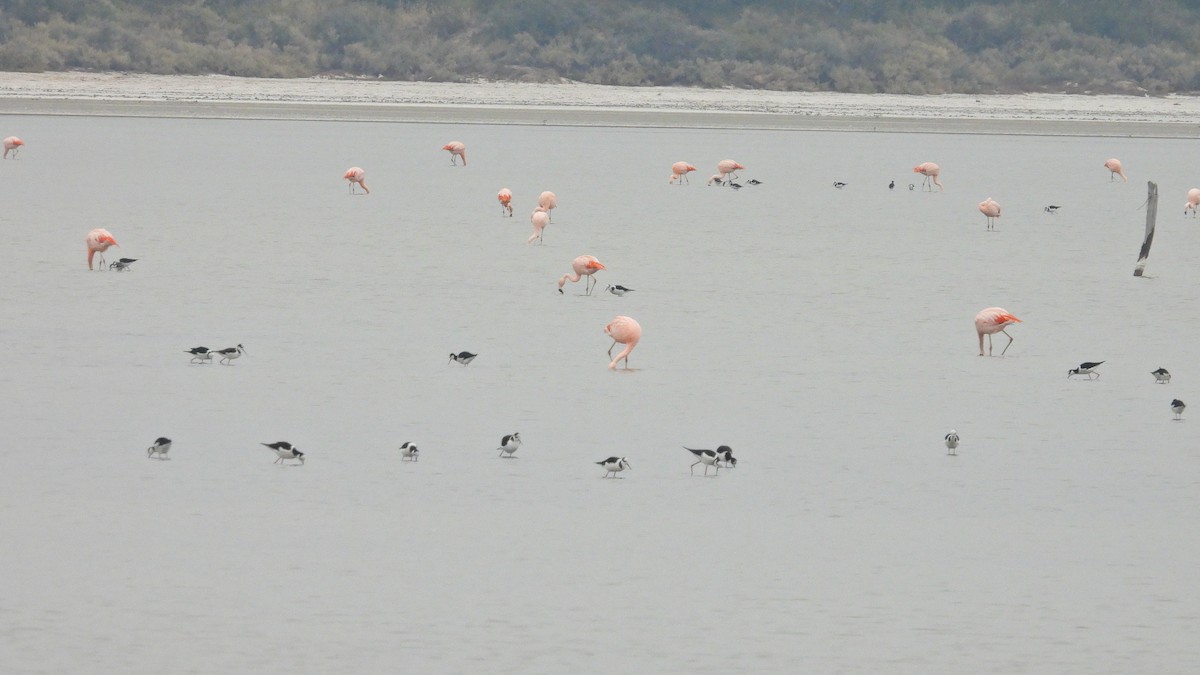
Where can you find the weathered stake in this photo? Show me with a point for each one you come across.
(1151, 214)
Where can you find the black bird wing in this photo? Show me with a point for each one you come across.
(700, 453)
(281, 445)
(1089, 364)
(610, 460)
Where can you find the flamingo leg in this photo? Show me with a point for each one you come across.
(614, 344)
(1010, 341)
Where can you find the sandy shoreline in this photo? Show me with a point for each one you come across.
(113, 94)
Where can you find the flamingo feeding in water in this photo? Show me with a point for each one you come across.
(12, 143)
(931, 171)
(355, 175)
(98, 241)
(993, 320)
(990, 208)
(728, 167)
(1114, 167)
(456, 149)
(626, 331)
(504, 196)
(1193, 200)
(584, 266)
(679, 172)
(548, 201)
(540, 218)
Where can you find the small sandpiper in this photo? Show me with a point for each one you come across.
(462, 357)
(161, 447)
(1161, 376)
(952, 442)
(613, 465)
(509, 444)
(1085, 368)
(285, 450)
(409, 452)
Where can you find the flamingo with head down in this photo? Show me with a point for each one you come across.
(626, 331)
(504, 196)
(993, 320)
(14, 144)
(679, 172)
(548, 201)
(583, 266)
(456, 149)
(540, 220)
(990, 208)
(1115, 169)
(931, 171)
(1193, 200)
(98, 241)
(356, 176)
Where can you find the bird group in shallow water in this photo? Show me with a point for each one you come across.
(226, 356)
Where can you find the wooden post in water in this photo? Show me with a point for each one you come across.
(1151, 214)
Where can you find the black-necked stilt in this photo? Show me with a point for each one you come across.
(613, 465)
(892, 185)
(952, 442)
(1052, 209)
(122, 264)
(409, 452)
(754, 181)
(229, 353)
(725, 454)
(1161, 376)
(911, 187)
(285, 450)
(1177, 407)
(707, 457)
(462, 357)
(838, 184)
(199, 354)
(509, 444)
(1085, 368)
(160, 448)
(735, 186)
(617, 289)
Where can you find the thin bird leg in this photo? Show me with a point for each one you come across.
(692, 468)
(614, 344)
(1010, 341)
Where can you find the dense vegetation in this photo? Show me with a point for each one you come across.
(897, 46)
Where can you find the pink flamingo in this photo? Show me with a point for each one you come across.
(584, 266)
(457, 149)
(728, 167)
(679, 172)
(540, 219)
(993, 320)
(98, 240)
(930, 171)
(12, 143)
(356, 175)
(505, 198)
(1114, 167)
(548, 201)
(990, 208)
(626, 331)
(1192, 202)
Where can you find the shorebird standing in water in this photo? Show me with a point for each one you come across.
(952, 442)
(509, 444)
(613, 465)
(1161, 376)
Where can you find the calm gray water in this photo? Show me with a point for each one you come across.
(825, 335)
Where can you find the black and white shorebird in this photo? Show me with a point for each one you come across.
(161, 447)
(735, 186)
(122, 264)
(1177, 407)
(1052, 209)
(509, 444)
(200, 354)
(838, 184)
(462, 357)
(1085, 368)
(892, 185)
(409, 452)
(1161, 376)
(725, 454)
(952, 442)
(229, 353)
(285, 450)
(613, 465)
(707, 457)
(617, 289)
(754, 181)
